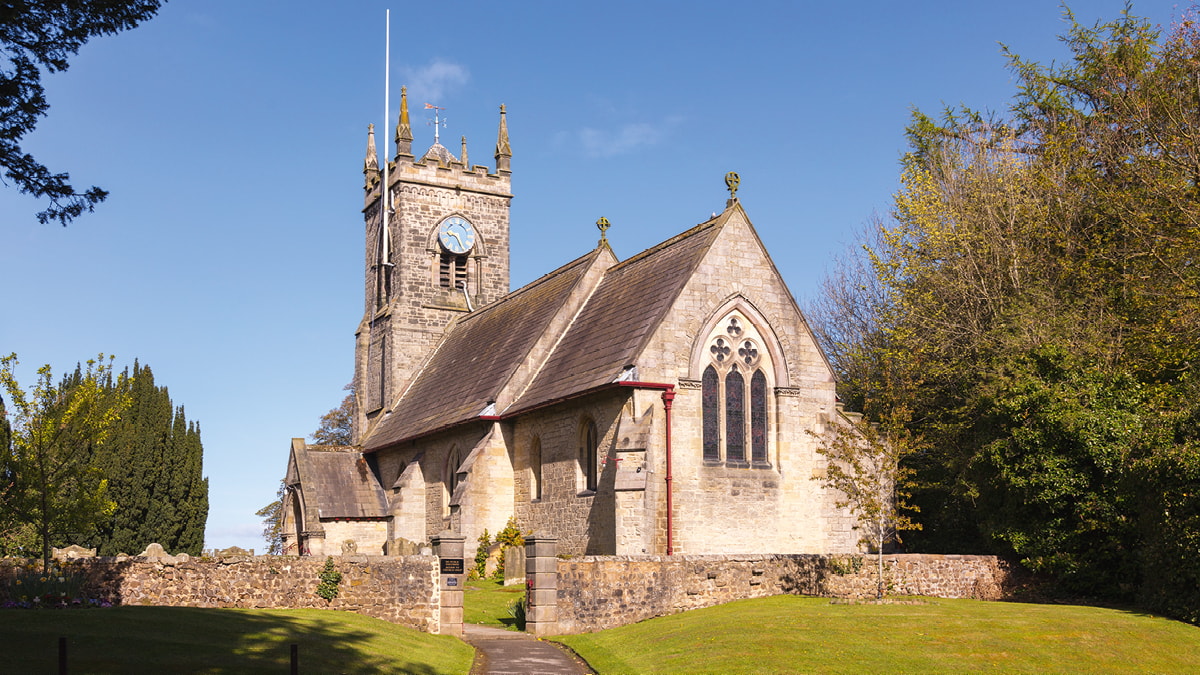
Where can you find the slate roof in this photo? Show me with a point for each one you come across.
(622, 314)
(339, 483)
(477, 357)
(482, 350)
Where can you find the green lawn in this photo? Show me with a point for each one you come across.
(188, 640)
(785, 634)
(790, 634)
(487, 601)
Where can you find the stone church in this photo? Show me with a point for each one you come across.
(657, 404)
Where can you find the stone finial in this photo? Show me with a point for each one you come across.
(603, 225)
(404, 136)
(465, 162)
(371, 161)
(732, 180)
(503, 149)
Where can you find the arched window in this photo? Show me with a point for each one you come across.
(758, 418)
(735, 416)
(710, 404)
(734, 390)
(535, 469)
(589, 443)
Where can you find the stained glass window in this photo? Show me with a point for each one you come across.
(710, 397)
(758, 417)
(735, 417)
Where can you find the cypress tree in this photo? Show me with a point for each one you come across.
(153, 461)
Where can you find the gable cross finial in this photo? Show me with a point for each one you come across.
(603, 224)
(732, 180)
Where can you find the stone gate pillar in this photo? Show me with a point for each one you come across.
(448, 547)
(541, 584)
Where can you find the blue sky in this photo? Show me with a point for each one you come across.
(231, 136)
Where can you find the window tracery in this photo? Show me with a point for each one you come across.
(734, 402)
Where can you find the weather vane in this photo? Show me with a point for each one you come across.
(603, 224)
(731, 181)
(437, 120)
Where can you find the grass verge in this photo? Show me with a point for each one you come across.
(190, 640)
(487, 601)
(790, 634)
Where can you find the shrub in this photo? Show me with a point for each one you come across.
(330, 578)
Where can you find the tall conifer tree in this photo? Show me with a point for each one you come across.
(153, 461)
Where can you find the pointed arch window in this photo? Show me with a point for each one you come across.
(535, 469)
(735, 416)
(450, 479)
(758, 418)
(589, 444)
(710, 404)
(734, 390)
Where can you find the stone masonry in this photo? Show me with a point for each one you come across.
(595, 593)
(401, 590)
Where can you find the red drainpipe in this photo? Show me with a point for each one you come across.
(668, 397)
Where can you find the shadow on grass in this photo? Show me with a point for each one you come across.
(191, 640)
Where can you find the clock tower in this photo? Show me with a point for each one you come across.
(436, 249)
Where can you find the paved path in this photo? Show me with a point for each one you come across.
(507, 652)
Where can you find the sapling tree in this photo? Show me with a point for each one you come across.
(864, 465)
(46, 477)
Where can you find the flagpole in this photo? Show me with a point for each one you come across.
(385, 203)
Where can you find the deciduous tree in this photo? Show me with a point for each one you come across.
(48, 482)
(1033, 301)
(864, 465)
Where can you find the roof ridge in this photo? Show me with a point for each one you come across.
(697, 229)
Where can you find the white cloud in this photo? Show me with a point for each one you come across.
(429, 83)
(625, 139)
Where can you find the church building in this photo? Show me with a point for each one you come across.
(661, 404)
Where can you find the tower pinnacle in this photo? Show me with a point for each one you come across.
(371, 161)
(503, 150)
(404, 135)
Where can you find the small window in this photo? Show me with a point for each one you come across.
(535, 469)
(589, 444)
(452, 270)
(450, 479)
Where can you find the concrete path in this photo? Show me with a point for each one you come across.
(506, 652)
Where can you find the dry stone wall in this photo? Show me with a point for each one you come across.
(402, 590)
(595, 593)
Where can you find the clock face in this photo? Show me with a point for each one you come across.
(456, 234)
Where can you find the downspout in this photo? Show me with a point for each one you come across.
(668, 398)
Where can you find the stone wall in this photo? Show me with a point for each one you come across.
(402, 590)
(595, 593)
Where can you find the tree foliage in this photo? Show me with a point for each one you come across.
(272, 520)
(1033, 305)
(153, 459)
(337, 424)
(37, 35)
(48, 483)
